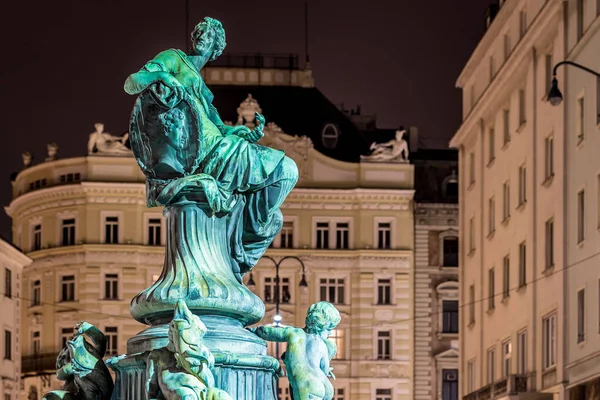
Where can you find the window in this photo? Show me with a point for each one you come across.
(506, 277)
(450, 316)
(287, 235)
(491, 289)
(491, 215)
(342, 231)
(522, 352)
(322, 235)
(598, 202)
(491, 364)
(580, 119)
(384, 235)
(549, 243)
(506, 127)
(450, 249)
(472, 235)
(68, 178)
(471, 304)
(65, 334)
(505, 201)
(580, 216)
(111, 333)
(383, 394)
(471, 376)
(67, 290)
(580, 18)
(68, 232)
(7, 283)
(339, 394)
(383, 345)
(507, 46)
(330, 136)
(36, 293)
(472, 95)
(449, 384)
(332, 290)
(337, 337)
(506, 356)
(491, 145)
(522, 108)
(549, 66)
(111, 230)
(7, 345)
(270, 289)
(549, 157)
(154, 231)
(283, 391)
(36, 238)
(522, 184)
(36, 345)
(384, 288)
(598, 97)
(111, 287)
(492, 67)
(522, 264)
(471, 168)
(549, 341)
(581, 316)
(522, 23)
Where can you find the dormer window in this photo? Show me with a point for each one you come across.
(330, 135)
(450, 187)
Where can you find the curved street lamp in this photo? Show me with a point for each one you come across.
(555, 97)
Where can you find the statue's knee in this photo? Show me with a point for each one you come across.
(290, 169)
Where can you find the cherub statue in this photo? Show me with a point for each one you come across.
(309, 352)
(26, 159)
(105, 143)
(394, 150)
(181, 370)
(81, 367)
(52, 151)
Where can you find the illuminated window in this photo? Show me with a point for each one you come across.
(337, 337)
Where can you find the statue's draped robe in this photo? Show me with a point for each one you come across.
(257, 178)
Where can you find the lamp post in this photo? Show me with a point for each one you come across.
(251, 284)
(554, 95)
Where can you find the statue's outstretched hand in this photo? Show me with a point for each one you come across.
(172, 82)
(253, 135)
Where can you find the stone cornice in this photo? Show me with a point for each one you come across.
(346, 259)
(73, 195)
(352, 199)
(507, 73)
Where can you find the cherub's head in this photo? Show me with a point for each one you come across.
(322, 318)
(208, 38)
(400, 134)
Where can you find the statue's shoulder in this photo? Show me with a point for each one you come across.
(170, 56)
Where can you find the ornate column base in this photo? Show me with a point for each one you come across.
(242, 367)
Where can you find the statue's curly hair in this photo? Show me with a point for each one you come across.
(322, 316)
(217, 27)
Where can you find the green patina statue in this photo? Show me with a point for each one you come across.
(182, 144)
(81, 367)
(309, 352)
(182, 369)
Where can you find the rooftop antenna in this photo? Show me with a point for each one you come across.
(306, 32)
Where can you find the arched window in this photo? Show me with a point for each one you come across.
(450, 187)
(330, 135)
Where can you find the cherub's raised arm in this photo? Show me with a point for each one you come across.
(273, 333)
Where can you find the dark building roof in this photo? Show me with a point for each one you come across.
(436, 175)
(297, 111)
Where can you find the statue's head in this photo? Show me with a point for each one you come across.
(99, 127)
(208, 38)
(400, 134)
(186, 331)
(173, 123)
(322, 318)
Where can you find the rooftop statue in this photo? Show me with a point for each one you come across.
(309, 352)
(182, 369)
(396, 150)
(104, 143)
(80, 365)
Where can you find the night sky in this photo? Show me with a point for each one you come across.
(65, 62)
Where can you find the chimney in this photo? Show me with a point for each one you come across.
(413, 139)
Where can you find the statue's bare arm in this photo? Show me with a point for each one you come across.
(139, 81)
(274, 334)
(152, 387)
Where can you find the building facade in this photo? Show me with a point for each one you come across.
(436, 275)
(12, 262)
(95, 245)
(512, 221)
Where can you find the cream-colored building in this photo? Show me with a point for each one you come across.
(12, 262)
(512, 221)
(95, 245)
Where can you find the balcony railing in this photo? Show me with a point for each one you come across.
(35, 363)
(512, 385)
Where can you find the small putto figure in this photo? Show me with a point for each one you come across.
(309, 352)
